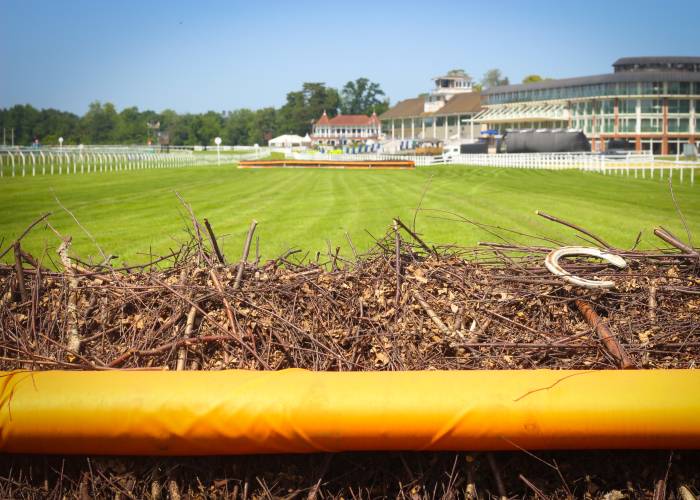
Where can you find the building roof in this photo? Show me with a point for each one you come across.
(623, 61)
(626, 76)
(348, 120)
(466, 102)
(405, 108)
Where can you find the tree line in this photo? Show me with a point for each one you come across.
(103, 124)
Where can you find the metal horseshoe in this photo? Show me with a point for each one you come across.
(552, 263)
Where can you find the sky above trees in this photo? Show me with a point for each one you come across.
(221, 55)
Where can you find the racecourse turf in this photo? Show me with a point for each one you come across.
(135, 214)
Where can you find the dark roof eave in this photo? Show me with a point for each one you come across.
(627, 76)
(624, 61)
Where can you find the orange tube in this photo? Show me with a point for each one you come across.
(297, 411)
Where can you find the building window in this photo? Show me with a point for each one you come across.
(678, 125)
(628, 107)
(650, 106)
(651, 125)
(609, 125)
(678, 106)
(652, 88)
(440, 121)
(679, 88)
(628, 125)
(607, 107)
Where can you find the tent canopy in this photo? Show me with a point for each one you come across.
(287, 140)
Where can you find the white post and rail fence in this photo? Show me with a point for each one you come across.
(635, 165)
(22, 162)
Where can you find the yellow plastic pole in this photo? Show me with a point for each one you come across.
(297, 411)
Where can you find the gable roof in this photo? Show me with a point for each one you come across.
(466, 102)
(405, 108)
(353, 120)
(348, 120)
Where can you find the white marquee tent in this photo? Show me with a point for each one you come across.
(288, 141)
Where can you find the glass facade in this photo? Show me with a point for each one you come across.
(608, 125)
(676, 106)
(650, 106)
(627, 106)
(595, 90)
(651, 125)
(628, 125)
(678, 125)
(607, 107)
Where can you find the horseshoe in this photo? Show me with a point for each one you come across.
(551, 262)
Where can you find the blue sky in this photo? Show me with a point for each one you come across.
(211, 55)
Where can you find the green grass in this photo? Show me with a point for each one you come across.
(133, 213)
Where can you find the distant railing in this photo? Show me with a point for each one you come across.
(96, 159)
(639, 165)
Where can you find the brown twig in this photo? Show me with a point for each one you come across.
(609, 340)
(214, 243)
(671, 239)
(20, 273)
(74, 341)
(573, 226)
(431, 314)
(244, 258)
(422, 243)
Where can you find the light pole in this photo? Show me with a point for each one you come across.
(217, 141)
(60, 143)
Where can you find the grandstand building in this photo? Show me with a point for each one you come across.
(444, 115)
(346, 129)
(653, 102)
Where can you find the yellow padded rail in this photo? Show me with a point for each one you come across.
(298, 411)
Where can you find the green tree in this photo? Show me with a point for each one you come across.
(532, 79)
(207, 127)
(263, 126)
(99, 124)
(54, 124)
(24, 119)
(494, 78)
(459, 72)
(362, 97)
(236, 127)
(102, 124)
(305, 106)
(131, 127)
